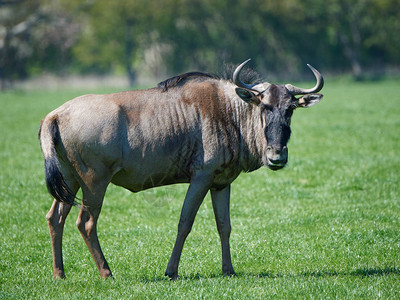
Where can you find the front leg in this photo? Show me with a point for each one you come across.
(220, 201)
(198, 188)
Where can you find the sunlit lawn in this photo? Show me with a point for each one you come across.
(327, 226)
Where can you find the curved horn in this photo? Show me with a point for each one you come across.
(236, 77)
(294, 90)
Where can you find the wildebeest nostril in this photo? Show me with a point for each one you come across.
(275, 150)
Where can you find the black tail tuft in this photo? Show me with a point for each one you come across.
(55, 182)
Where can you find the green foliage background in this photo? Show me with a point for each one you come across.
(165, 37)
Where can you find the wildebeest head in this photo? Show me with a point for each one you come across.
(276, 104)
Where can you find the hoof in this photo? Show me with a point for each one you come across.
(230, 273)
(59, 275)
(106, 274)
(172, 275)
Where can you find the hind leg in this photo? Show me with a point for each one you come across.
(56, 220)
(93, 195)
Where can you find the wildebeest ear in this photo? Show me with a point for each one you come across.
(247, 96)
(309, 100)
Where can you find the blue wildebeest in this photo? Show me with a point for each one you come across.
(194, 128)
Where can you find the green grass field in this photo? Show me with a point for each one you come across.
(326, 226)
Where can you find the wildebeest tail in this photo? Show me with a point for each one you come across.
(49, 138)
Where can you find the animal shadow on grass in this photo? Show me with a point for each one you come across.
(188, 277)
(363, 272)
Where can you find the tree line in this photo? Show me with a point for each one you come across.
(165, 37)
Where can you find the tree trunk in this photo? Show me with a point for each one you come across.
(351, 50)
